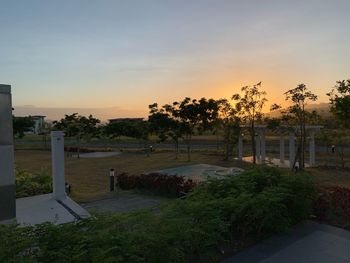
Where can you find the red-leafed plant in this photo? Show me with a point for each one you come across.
(169, 185)
(333, 206)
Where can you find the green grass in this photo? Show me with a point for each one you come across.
(89, 177)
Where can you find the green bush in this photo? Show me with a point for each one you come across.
(233, 211)
(28, 184)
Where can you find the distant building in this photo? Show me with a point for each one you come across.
(125, 120)
(39, 122)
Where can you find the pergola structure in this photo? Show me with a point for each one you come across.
(260, 143)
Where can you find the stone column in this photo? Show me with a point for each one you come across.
(257, 147)
(57, 153)
(7, 176)
(291, 148)
(282, 149)
(240, 146)
(312, 147)
(263, 145)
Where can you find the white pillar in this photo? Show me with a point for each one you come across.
(57, 152)
(7, 176)
(263, 145)
(240, 147)
(312, 147)
(257, 147)
(291, 148)
(282, 149)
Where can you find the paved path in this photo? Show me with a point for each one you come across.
(307, 243)
(122, 204)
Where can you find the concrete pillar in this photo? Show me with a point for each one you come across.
(282, 149)
(263, 145)
(57, 153)
(240, 146)
(257, 147)
(291, 148)
(7, 176)
(312, 147)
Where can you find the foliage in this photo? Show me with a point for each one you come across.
(28, 184)
(229, 122)
(182, 119)
(238, 210)
(78, 126)
(21, 125)
(165, 124)
(137, 130)
(163, 184)
(340, 101)
(249, 106)
(333, 206)
(297, 115)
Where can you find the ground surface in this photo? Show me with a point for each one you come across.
(307, 243)
(124, 202)
(89, 176)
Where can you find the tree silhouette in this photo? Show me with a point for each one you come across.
(249, 105)
(78, 126)
(299, 97)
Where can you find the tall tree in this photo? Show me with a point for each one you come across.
(164, 122)
(300, 97)
(339, 99)
(78, 126)
(249, 105)
(229, 122)
(21, 125)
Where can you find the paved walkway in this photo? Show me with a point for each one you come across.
(43, 208)
(307, 243)
(122, 204)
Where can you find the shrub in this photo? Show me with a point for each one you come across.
(28, 184)
(163, 184)
(237, 210)
(333, 206)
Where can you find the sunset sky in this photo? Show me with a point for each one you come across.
(113, 58)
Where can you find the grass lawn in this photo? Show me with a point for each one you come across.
(89, 177)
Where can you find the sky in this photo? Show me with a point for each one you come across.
(114, 58)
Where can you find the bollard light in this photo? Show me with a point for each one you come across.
(111, 180)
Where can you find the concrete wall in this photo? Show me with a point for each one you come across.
(7, 177)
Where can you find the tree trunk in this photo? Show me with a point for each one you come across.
(253, 142)
(78, 146)
(176, 144)
(189, 137)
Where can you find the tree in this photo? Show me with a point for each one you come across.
(195, 115)
(300, 97)
(164, 122)
(229, 122)
(249, 106)
(21, 125)
(339, 99)
(78, 126)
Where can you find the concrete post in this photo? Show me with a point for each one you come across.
(282, 149)
(291, 148)
(257, 147)
(263, 145)
(240, 147)
(7, 176)
(57, 153)
(312, 147)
